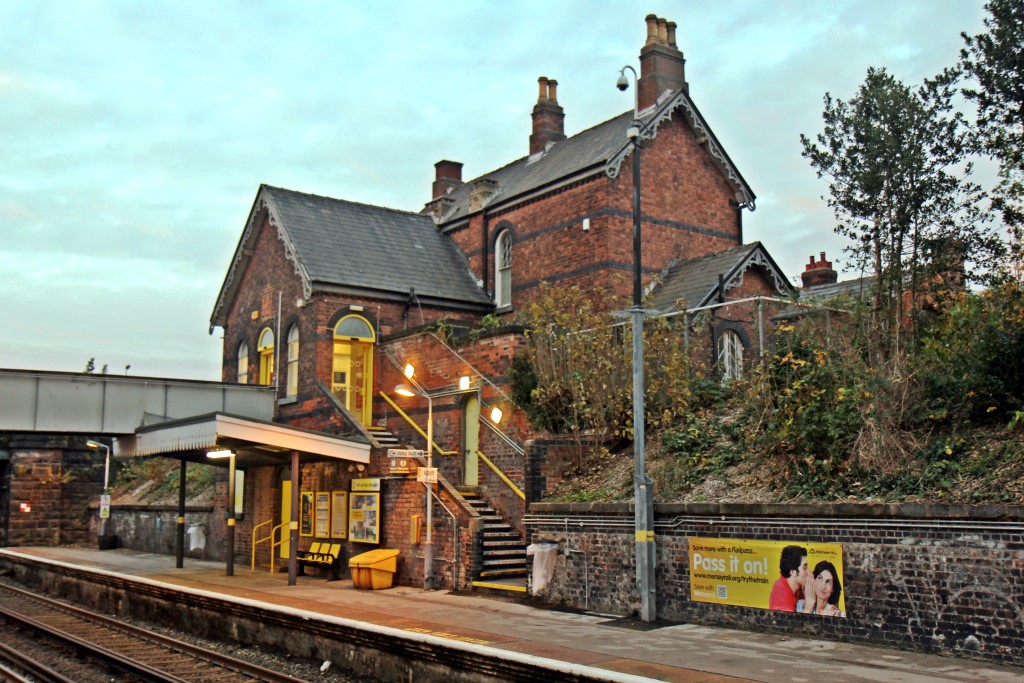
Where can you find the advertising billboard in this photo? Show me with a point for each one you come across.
(789, 576)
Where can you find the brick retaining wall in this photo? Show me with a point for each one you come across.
(943, 579)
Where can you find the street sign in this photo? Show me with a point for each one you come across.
(426, 475)
(406, 453)
(105, 506)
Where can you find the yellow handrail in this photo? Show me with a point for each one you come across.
(501, 475)
(273, 545)
(437, 449)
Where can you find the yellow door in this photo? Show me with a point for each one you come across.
(470, 441)
(353, 376)
(286, 518)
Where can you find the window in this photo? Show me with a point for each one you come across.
(730, 356)
(243, 363)
(503, 270)
(352, 366)
(266, 350)
(292, 388)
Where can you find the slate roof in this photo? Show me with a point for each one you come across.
(360, 249)
(854, 288)
(593, 151)
(590, 149)
(694, 283)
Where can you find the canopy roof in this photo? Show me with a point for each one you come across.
(254, 442)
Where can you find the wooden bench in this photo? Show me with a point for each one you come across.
(326, 555)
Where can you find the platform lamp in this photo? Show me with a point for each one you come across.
(105, 501)
(230, 455)
(643, 494)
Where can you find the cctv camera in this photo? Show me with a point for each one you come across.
(623, 84)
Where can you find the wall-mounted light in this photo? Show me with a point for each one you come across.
(406, 390)
(214, 455)
(409, 370)
(496, 414)
(464, 383)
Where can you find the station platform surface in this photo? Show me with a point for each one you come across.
(605, 644)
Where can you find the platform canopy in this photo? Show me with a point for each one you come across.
(254, 442)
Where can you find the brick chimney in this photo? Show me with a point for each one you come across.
(548, 117)
(661, 62)
(447, 177)
(818, 274)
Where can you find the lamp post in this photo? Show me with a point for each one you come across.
(418, 389)
(214, 455)
(428, 545)
(643, 493)
(105, 497)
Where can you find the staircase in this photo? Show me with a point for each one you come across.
(385, 438)
(503, 565)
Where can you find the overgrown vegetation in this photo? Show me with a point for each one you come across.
(820, 418)
(155, 480)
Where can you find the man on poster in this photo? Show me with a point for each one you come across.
(788, 588)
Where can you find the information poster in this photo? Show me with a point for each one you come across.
(339, 514)
(791, 576)
(306, 513)
(364, 518)
(322, 523)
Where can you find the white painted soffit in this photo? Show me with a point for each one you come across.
(204, 434)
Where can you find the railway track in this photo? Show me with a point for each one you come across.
(135, 653)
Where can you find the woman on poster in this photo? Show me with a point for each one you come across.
(822, 592)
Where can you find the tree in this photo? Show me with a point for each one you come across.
(90, 366)
(995, 62)
(901, 191)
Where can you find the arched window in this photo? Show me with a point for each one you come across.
(292, 388)
(243, 363)
(503, 270)
(265, 348)
(730, 356)
(352, 367)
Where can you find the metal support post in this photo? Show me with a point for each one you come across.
(179, 541)
(643, 486)
(231, 516)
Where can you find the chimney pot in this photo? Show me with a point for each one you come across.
(672, 34)
(652, 29)
(662, 31)
(553, 90)
(542, 94)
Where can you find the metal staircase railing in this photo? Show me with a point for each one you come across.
(274, 545)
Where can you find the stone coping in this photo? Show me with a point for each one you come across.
(840, 510)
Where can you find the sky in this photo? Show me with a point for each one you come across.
(134, 135)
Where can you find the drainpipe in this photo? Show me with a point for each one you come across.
(484, 229)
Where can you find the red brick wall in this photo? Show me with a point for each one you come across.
(687, 205)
